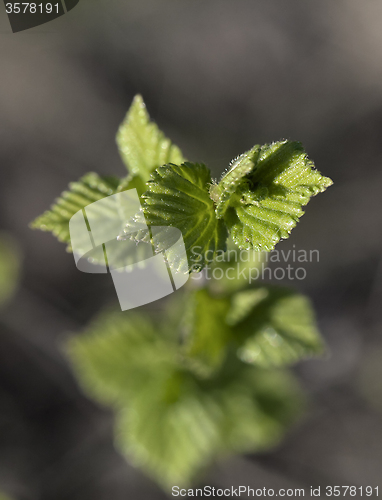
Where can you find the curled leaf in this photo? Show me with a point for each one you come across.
(262, 195)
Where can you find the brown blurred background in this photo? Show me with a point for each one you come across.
(218, 76)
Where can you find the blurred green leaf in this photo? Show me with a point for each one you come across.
(9, 266)
(176, 440)
(268, 326)
(118, 356)
(170, 422)
(178, 196)
(274, 327)
(90, 188)
(262, 195)
(143, 147)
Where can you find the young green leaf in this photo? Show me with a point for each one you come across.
(240, 167)
(90, 188)
(143, 147)
(274, 327)
(262, 195)
(178, 196)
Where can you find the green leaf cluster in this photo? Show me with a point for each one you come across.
(267, 326)
(182, 394)
(209, 377)
(258, 201)
(204, 379)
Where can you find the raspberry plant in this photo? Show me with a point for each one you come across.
(208, 376)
